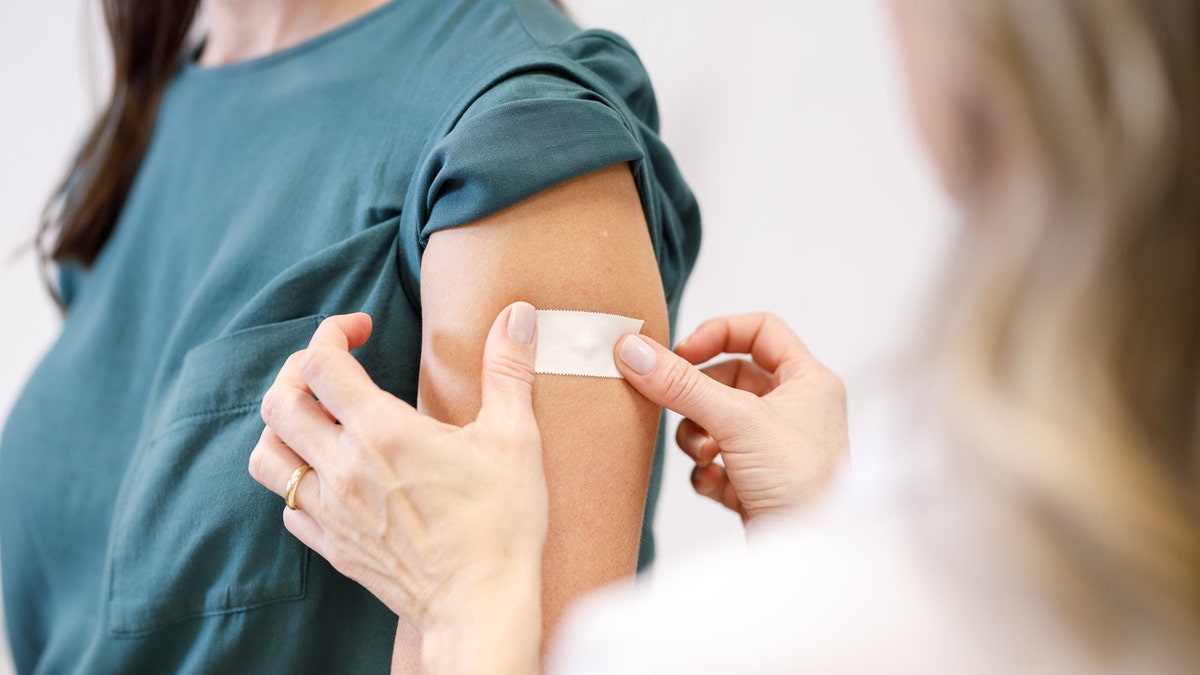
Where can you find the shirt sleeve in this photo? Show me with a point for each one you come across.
(523, 135)
(573, 108)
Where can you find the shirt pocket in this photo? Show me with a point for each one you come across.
(193, 534)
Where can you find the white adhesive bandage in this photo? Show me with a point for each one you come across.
(580, 343)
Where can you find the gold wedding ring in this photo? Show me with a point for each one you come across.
(293, 483)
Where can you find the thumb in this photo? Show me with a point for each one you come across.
(668, 380)
(508, 374)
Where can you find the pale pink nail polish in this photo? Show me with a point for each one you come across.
(521, 320)
(638, 355)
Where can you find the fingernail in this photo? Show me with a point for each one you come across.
(521, 321)
(692, 440)
(638, 355)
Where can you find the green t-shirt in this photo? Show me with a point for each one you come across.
(275, 192)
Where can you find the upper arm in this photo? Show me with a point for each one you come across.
(584, 245)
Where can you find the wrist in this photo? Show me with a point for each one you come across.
(486, 621)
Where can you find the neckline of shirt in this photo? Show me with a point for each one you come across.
(194, 69)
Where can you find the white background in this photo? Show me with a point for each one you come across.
(786, 116)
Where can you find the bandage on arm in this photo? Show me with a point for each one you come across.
(582, 245)
(580, 344)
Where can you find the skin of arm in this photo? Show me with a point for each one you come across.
(581, 245)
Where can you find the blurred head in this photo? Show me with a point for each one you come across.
(1069, 132)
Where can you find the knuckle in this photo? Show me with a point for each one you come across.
(256, 463)
(336, 557)
(362, 439)
(741, 403)
(679, 382)
(831, 384)
(293, 360)
(838, 388)
(693, 440)
(271, 405)
(334, 479)
(700, 484)
(313, 360)
(773, 325)
(365, 443)
(508, 365)
(682, 434)
(707, 452)
(278, 405)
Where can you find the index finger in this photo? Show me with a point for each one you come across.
(768, 341)
(348, 331)
(329, 344)
(343, 331)
(332, 373)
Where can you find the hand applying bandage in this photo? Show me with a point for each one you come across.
(446, 524)
(778, 420)
(390, 502)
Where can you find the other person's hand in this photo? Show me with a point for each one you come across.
(778, 419)
(390, 500)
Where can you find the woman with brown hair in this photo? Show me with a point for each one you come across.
(427, 161)
(1048, 522)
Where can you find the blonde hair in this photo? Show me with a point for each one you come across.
(1070, 346)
